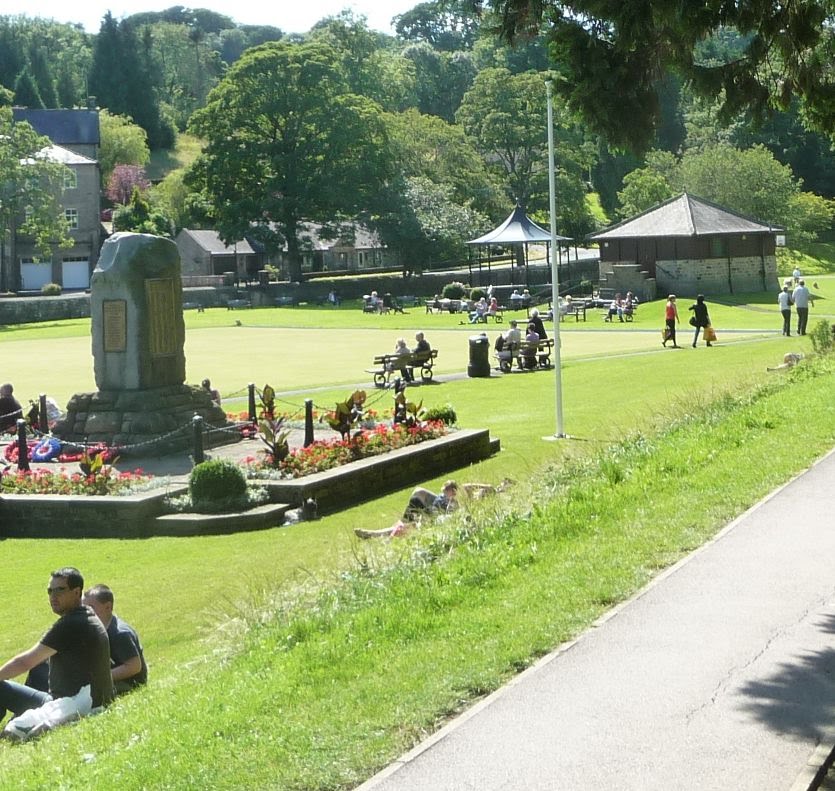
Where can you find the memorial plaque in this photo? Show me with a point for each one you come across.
(115, 329)
(161, 316)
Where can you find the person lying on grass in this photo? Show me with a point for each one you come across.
(423, 503)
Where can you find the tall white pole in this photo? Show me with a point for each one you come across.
(555, 288)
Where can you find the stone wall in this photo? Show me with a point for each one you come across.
(23, 310)
(716, 275)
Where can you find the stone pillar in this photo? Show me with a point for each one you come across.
(137, 316)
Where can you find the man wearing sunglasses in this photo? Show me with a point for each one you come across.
(76, 646)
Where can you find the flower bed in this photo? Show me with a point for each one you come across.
(105, 482)
(328, 454)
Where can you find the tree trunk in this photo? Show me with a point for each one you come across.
(294, 256)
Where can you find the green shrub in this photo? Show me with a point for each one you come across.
(822, 337)
(477, 293)
(215, 480)
(454, 290)
(444, 414)
(51, 290)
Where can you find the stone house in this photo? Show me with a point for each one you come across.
(356, 249)
(205, 257)
(69, 267)
(75, 137)
(687, 245)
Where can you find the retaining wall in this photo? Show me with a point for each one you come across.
(142, 515)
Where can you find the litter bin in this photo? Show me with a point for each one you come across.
(479, 356)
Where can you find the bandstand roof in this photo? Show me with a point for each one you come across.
(518, 227)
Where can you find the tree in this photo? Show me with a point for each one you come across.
(287, 143)
(122, 143)
(124, 80)
(449, 25)
(505, 115)
(140, 217)
(30, 186)
(124, 180)
(441, 79)
(611, 55)
(427, 146)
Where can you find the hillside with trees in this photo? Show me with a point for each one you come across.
(429, 136)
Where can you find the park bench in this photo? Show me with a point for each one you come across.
(284, 302)
(575, 309)
(386, 365)
(234, 304)
(533, 355)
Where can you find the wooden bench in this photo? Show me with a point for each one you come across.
(530, 356)
(576, 310)
(234, 304)
(387, 365)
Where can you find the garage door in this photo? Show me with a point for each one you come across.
(75, 273)
(34, 275)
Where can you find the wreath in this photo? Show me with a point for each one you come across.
(46, 450)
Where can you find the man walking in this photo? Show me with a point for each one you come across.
(784, 302)
(76, 646)
(801, 297)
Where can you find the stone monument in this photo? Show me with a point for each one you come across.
(142, 403)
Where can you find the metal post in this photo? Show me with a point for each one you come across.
(22, 447)
(555, 287)
(43, 422)
(308, 422)
(252, 414)
(197, 434)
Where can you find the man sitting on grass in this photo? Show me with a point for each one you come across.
(77, 649)
(127, 660)
(424, 503)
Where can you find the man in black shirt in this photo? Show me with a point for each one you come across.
(76, 646)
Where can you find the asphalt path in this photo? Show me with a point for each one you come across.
(720, 674)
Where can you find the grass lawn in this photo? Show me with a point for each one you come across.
(616, 380)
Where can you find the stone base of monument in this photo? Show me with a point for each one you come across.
(144, 422)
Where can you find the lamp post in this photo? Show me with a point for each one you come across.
(555, 289)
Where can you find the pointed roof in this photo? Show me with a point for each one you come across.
(518, 227)
(684, 215)
(210, 242)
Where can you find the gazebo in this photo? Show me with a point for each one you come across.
(517, 231)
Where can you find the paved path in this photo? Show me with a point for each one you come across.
(718, 675)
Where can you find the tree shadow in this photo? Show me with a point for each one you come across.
(799, 698)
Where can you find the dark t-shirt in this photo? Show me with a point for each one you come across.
(125, 645)
(82, 656)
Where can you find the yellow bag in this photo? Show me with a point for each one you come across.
(709, 334)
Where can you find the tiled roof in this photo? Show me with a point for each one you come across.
(212, 243)
(64, 127)
(684, 215)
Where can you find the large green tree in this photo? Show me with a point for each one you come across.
(30, 188)
(287, 143)
(612, 53)
(122, 143)
(505, 115)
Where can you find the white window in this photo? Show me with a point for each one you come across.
(71, 216)
(70, 179)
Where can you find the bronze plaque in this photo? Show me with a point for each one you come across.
(115, 329)
(161, 319)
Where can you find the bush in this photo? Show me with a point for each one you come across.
(216, 480)
(822, 337)
(443, 414)
(454, 290)
(477, 293)
(51, 290)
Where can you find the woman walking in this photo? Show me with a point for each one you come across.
(700, 318)
(670, 319)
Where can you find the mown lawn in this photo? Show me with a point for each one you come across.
(205, 716)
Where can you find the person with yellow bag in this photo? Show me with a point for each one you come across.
(700, 319)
